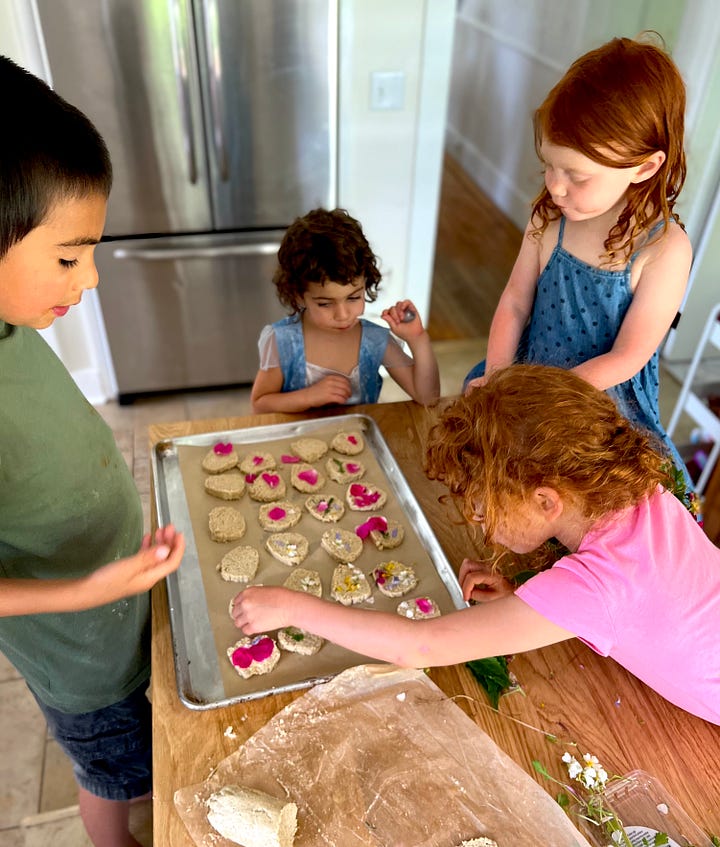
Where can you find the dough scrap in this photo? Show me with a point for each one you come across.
(252, 818)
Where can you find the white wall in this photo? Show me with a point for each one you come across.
(390, 160)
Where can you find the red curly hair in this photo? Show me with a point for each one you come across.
(617, 105)
(534, 426)
(324, 246)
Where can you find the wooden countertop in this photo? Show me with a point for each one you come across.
(568, 691)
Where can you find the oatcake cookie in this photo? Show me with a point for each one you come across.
(341, 544)
(344, 470)
(220, 459)
(349, 443)
(275, 517)
(290, 548)
(388, 538)
(226, 524)
(394, 579)
(306, 478)
(349, 585)
(325, 509)
(309, 449)
(418, 608)
(227, 486)
(251, 656)
(239, 564)
(256, 462)
(365, 498)
(296, 640)
(267, 487)
(302, 579)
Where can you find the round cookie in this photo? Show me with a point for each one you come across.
(365, 498)
(349, 585)
(290, 548)
(306, 478)
(296, 640)
(277, 516)
(256, 462)
(344, 470)
(325, 509)
(341, 544)
(309, 449)
(226, 524)
(267, 487)
(239, 564)
(302, 579)
(229, 485)
(219, 460)
(256, 655)
(394, 579)
(348, 443)
(391, 537)
(418, 608)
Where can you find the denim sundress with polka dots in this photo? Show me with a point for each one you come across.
(577, 314)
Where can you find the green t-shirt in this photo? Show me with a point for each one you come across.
(67, 506)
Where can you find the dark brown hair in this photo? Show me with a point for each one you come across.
(617, 105)
(536, 426)
(324, 246)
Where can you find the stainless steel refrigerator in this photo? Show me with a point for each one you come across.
(220, 120)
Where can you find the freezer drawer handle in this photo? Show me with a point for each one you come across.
(164, 254)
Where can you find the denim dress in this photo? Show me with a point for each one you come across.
(576, 316)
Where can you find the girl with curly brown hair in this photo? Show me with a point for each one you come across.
(605, 260)
(533, 455)
(324, 352)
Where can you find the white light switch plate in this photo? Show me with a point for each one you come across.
(387, 90)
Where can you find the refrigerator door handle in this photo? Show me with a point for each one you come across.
(164, 254)
(211, 27)
(179, 35)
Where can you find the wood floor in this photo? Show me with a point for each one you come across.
(474, 254)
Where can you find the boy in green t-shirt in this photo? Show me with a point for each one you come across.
(74, 571)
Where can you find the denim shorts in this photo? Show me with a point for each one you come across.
(110, 748)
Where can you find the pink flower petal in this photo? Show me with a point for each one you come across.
(352, 439)
(250, 478)
(289, 460)
(261, 649)
(351, 467)
(271, 479)
(424, 605)
(257, 460)
(277, 514)
(322, 506)
(376, 522)
(242, 657)
(221, 449)
(356, 488)
(310, 475)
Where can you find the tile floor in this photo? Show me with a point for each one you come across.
(37, 790)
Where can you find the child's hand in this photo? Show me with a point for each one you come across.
(137, 574)
(480, 583)
(396, 318)
(330, 389)
(262, 608)
(478, 382)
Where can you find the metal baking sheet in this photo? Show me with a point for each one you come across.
(198, 599)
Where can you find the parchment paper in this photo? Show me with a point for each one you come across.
(293, 668)
(380, 756)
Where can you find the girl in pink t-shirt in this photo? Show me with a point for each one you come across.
(537, 454)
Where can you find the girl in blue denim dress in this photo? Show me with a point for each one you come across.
(605, 260)
(324, 352)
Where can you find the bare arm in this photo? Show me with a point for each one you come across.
(507, 625)
(657, 297)
(422, 379)
(122, 578)
(267, 394)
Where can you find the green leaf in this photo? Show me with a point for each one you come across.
(493, 676)
(563, 800)
(661, 839)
